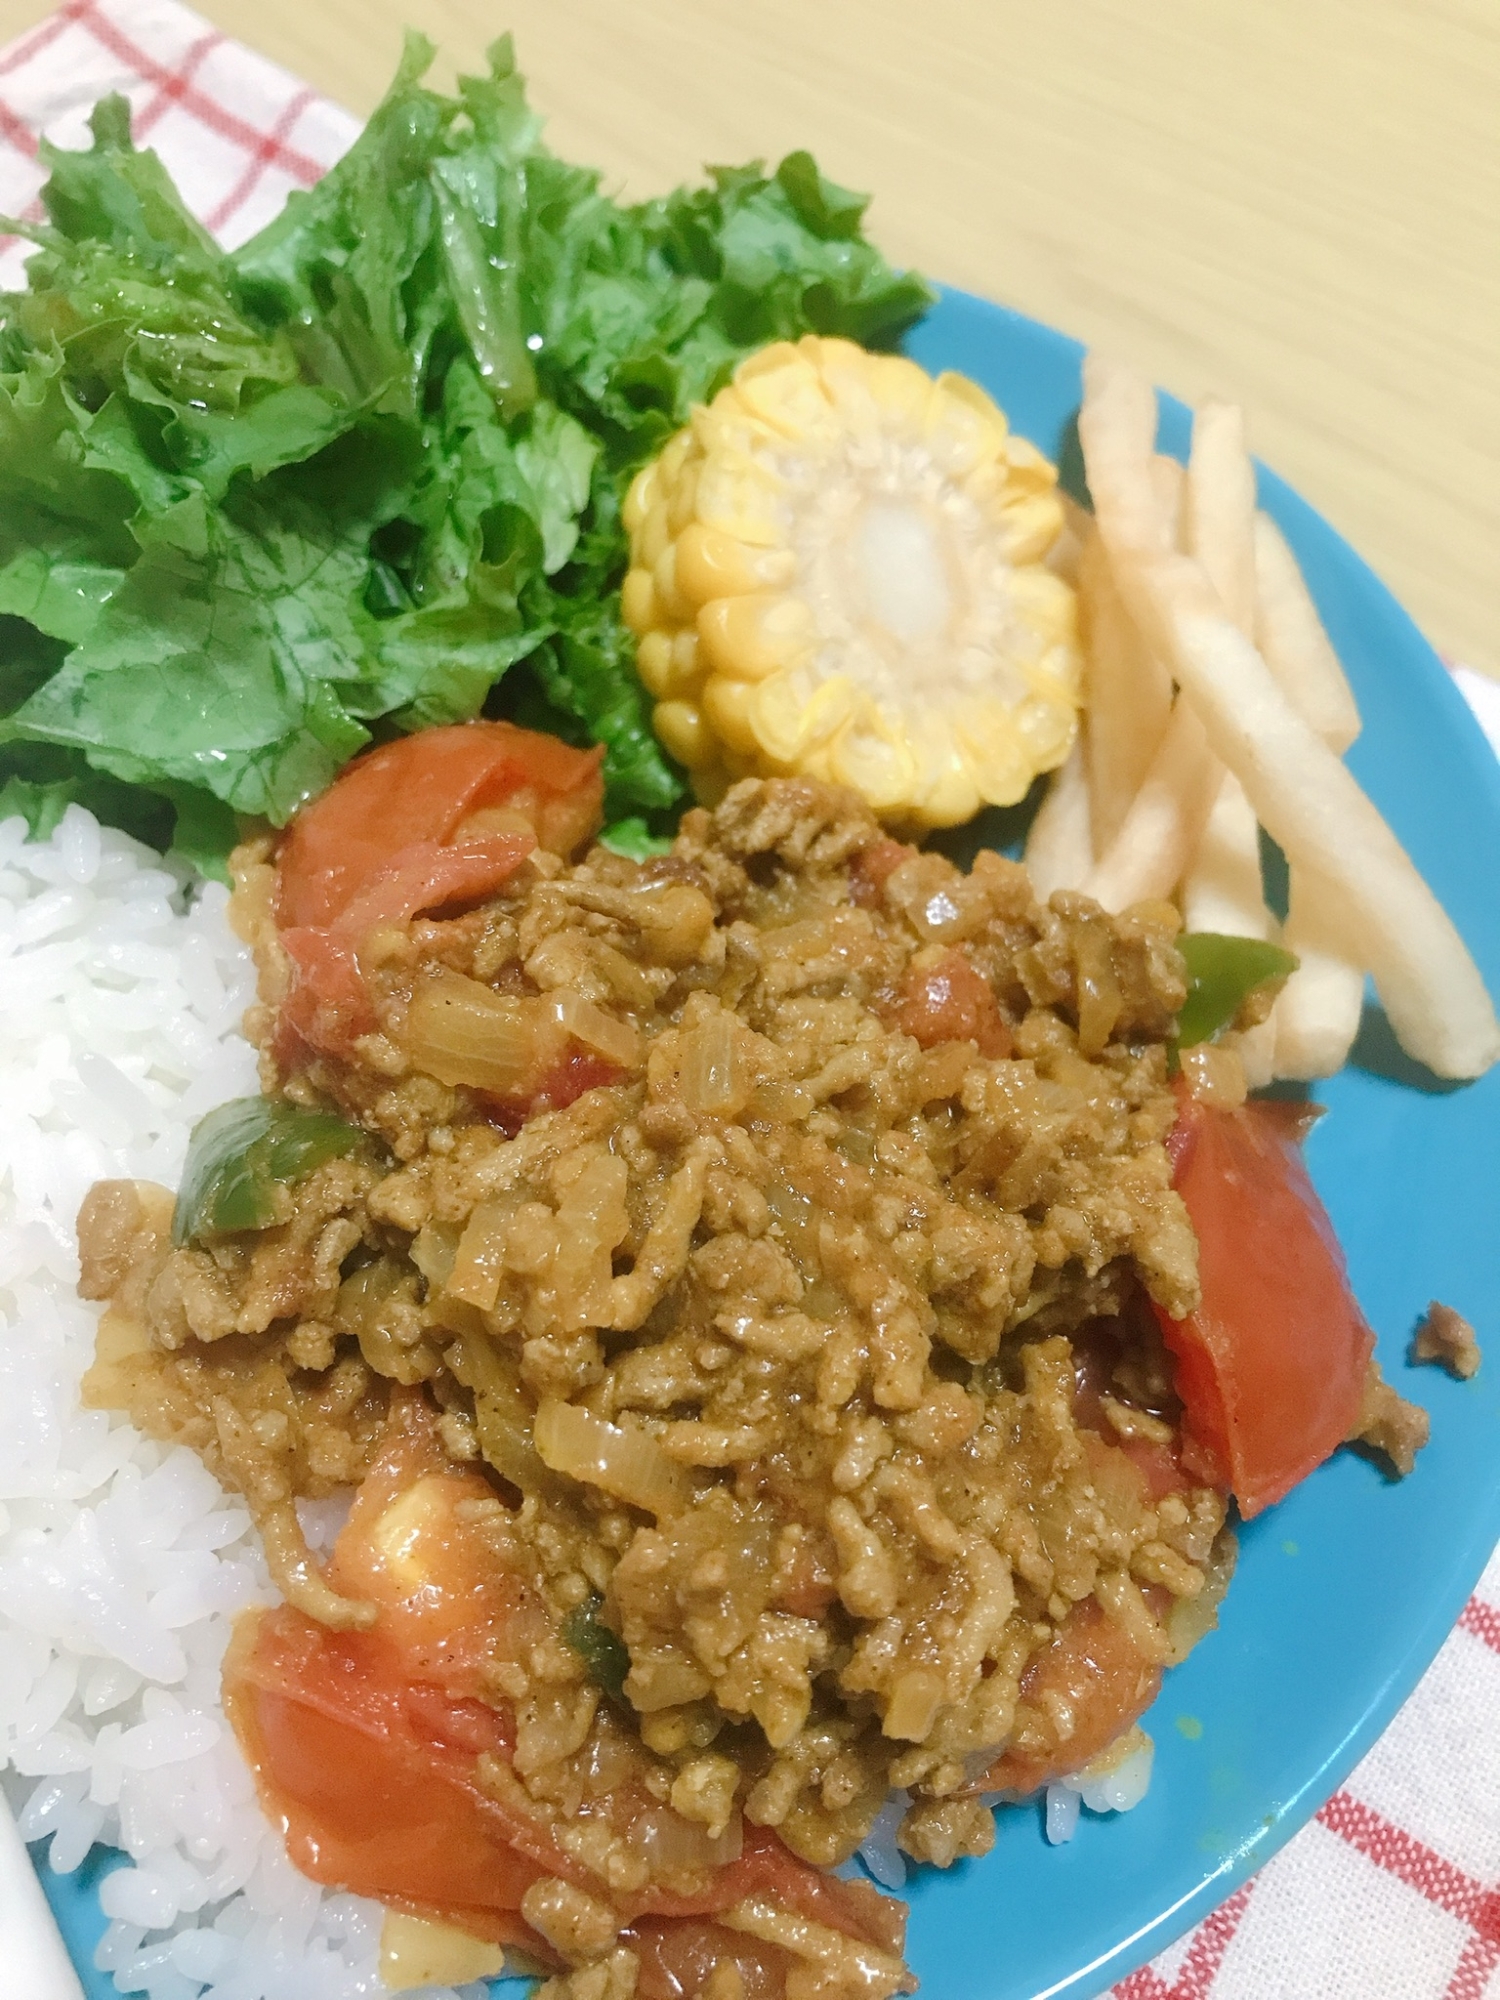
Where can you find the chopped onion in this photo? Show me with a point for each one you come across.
(433, 1249)
(502, 1412)
(628, 1463)
(475, 1273)
(1191, 1617)
(714, 1078)
(668, 1841)
(461, 1032)
(878, 1850)
(607, 1034)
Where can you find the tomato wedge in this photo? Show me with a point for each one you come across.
(422, 789)
(951, 1002)
(327, 1006)
(1271, 1366)
(1091, 1672)
(365, 1745)
(370, 1778)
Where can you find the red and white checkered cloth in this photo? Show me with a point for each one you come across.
(236, 133)
(1393, 1892)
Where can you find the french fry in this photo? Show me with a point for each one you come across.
(1170, 491)
(1293, 643)
(1223, 890)
(1060, 846)
(1164, 827)
(1303, 796)
(1128, 695)
(1077, 528)
(1256, 1048)
(1317, 1012)
(1220, 508)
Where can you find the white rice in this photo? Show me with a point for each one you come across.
(1116, 1782)
(122, 1564)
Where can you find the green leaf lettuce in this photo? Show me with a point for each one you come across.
(364, 474)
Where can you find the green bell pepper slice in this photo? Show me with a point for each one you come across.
(1222, 974)
(602, 1651)
(241, 1153)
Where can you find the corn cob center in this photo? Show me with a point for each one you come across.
(908, 594)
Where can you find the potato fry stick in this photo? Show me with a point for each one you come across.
(1164, 827)
(1223, 890)
(1077, 528)
(1169, 486)
(1302, 794)
(1317, 1012)
(1256, 1049)
(1164, 824)
(1294, 645)
(1128, 693)
(1060, 846)
(1220, 509)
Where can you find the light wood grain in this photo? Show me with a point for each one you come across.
(1295, 203)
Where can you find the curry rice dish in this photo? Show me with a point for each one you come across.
(775, 1391)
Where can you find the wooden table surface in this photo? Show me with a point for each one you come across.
(1294, 203)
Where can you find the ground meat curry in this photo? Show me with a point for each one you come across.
(767, 1233)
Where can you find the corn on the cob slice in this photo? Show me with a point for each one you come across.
(838, 570)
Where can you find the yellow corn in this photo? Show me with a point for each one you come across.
(839, 570)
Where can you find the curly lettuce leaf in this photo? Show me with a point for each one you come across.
(364, 474)
(229, 660)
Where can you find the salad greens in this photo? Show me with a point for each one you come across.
(364, 474)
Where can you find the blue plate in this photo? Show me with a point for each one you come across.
(1347, 1589)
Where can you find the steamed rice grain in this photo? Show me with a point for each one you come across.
(123, 1564)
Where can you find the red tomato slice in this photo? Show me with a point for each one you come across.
(560, 1086)
(1091, 1670)
(427, 876)
(364, 1744)
(327, 1007)
(951, 1002)
(421, 789)
(371, 1782)
(1271, 1366)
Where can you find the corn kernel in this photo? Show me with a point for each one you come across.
(751, 637)
(668, 596)
(684, 502)
(653, 662)
(681, 727)
(638, 601)
(712, 564)
(726, 704)
(638, 500)
(655, 536)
